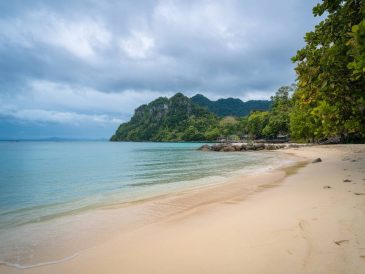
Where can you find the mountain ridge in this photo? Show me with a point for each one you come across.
(179, 118)
(231, 106)
(167, 119)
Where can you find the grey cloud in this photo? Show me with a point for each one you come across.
(235, 48)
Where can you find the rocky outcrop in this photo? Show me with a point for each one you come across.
(228, 147)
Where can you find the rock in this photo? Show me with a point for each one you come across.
(205, 148)
(249, 147)
(217, 147)
(259, 146)
(228, 148)
(317, 160)
(347, 181)
(237, 147)
(270, 147)
(327, 187)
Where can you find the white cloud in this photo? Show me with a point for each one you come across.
(53, 95)
(82, 37)
(137, 46)
(222, 23)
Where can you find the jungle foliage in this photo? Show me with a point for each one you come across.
(330, 98)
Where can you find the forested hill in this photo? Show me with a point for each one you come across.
(174, 119)
(231, 106)
(179, 119)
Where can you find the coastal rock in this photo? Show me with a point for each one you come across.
(217, 147)
(249, 147)
(228, 148)
(317, 160)
(205, 148)
(237, 147)
(270, 147)
(259, 146)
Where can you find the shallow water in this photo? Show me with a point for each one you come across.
(44, 181)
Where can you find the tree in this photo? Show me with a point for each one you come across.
(357, 43)
(279, 115)
(256, 122)
(331, 82)
(228, 126)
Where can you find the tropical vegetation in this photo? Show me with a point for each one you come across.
(330, 98)
(180, 119)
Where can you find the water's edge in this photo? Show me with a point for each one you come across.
(289, 168)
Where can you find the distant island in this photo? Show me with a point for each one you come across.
(180, 118)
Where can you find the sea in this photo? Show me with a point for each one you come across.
(41, 182)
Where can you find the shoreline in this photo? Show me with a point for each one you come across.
(159, 207)
(184, 210)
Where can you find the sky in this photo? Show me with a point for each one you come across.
(77, 69)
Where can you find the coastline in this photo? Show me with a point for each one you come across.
(283, 221)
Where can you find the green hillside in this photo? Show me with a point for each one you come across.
(180, 119)
(174, 119)
(231, 106)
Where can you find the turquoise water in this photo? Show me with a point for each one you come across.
(43, 181)
(40, 180)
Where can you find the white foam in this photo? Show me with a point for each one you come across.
(24, 266)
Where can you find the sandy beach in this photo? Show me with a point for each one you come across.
(306, 218)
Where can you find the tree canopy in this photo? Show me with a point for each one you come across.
(329, 100)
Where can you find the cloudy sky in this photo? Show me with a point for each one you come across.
(79, 68)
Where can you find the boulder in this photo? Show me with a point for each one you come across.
(259, 146)
(317, 160)
(237, 147)
(217, 147)
(228, 148)
(205, 148)
(270, 147)
(249, 147)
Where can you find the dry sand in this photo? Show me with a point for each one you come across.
(303, 219)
